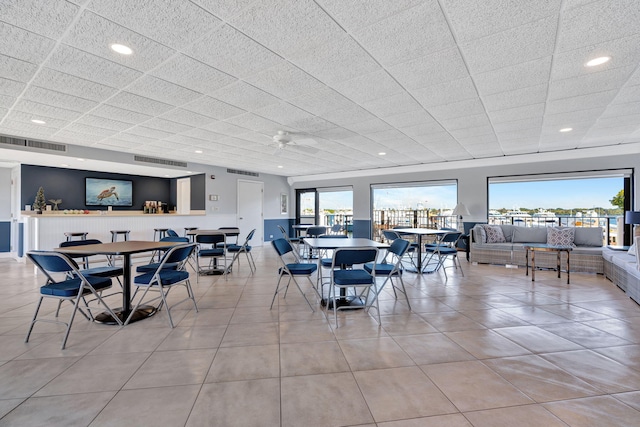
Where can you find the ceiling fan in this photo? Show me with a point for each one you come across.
(284, 140)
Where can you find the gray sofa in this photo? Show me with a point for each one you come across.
(622, 269)
(585, 257)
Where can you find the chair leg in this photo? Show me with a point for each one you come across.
(33, 321)
(276, 291)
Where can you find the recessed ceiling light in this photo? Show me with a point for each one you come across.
(38, 122)
(566, 129)
(64, 165)
(189, 172)
(80, 160)
(597, 61)
(121, 49)
(166, 176)
(280, 166)
(199, 151)
(382, 153)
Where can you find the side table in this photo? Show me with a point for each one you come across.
(546, 248)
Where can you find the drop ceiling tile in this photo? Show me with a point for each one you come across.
(120, 114)
(369, 87)
(135, 138)
(581, 102)
(356, 15)
(254, 137)
(49, 18)
(90, 130)
(175, 24)
(26, 117)
(67, 59)
(95, 34)
(163, 91)
(225, 128)
(212, 107)
(338, 61)
(113, 143)
(628, 94)
(224, 9)
(465, 122)
(396, 104)
(624, 51)
(321, 101)
(471, 19)
(391, 136)
(177, 142)
(409, 34)
(427, 128)
(61, 82)
(410, 118)
(147, 132)
(192, 74)
(369, 125)
(253, 122)
(518, 113)
(24, 45)
(610, 79)
(46, 110)
(472, 132)
(532, 134)
(243, 95)
(602, 21)
(514, 77)
(186, 117)
(25, 130)
(236, 54)
(284, 81)
(468, 142)
(166, 125)
(438, 67)
(569, 119)
(15, 69)
(58, 99)
(311, 125)
(445, 93)
(515, 98)
(282, 112)
(457, 109)
(141, 104)
(526, 42)
(101, 122)
(632, 117)
(530, 123)
(286, 26)
(11, 87)
(7, 101)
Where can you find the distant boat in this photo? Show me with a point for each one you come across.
(518, 216)
(545, 216)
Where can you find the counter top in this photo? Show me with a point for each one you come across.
(103, 213)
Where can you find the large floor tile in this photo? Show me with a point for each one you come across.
(432, 348)
(471, 386)
(526, 416)
(242, 334)
(594, 412)
(366, 354)
(399, 393)
(485, 344)
(537, 340)
(311, 358)
(245, 363)
(177, 367)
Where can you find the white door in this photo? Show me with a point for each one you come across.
(250, 210)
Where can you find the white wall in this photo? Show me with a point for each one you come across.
(5, 194)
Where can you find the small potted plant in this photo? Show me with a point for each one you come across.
(40, 202)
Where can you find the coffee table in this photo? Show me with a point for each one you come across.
(541, 247)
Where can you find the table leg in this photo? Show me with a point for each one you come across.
(558, 263)
(526, 262)
(533, 266)
(568, 268)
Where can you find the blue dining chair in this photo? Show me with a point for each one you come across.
(65, 282)
(446, 248)
(391, 267)
(292, 269)
(245, 249)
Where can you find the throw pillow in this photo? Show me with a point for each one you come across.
(560, 236)
(494, 233)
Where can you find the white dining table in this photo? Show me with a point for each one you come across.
(421, 232)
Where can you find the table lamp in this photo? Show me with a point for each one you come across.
(633, 217)
(459, 211)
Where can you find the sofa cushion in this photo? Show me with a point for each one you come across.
(529, 235)
(559, 236)
(494, 233)
(479, 234)
(507, 230)
(588, 236)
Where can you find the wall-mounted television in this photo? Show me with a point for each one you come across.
(108, 192)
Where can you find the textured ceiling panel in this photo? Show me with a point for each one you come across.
(424, 82)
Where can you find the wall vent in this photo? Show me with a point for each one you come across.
(156, 161)
(240, 172)
(46, 145)
(13, 141)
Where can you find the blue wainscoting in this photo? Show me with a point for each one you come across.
(271, 228)
(5, 236)
(362, 228)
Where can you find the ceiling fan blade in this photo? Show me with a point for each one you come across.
(305, 141)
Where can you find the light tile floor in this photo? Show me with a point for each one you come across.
(487, 349)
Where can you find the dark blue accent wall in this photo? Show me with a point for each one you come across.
(5, 236)
(68, 185)
(362, 228)
(271, 228)
(20, 240)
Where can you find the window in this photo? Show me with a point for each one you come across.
(419, 204)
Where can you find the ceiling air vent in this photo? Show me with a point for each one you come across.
(12, 141)
(239, 172)
(46, 145)
(157, 161)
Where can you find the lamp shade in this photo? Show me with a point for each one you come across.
(461, 210)
(632, 217)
